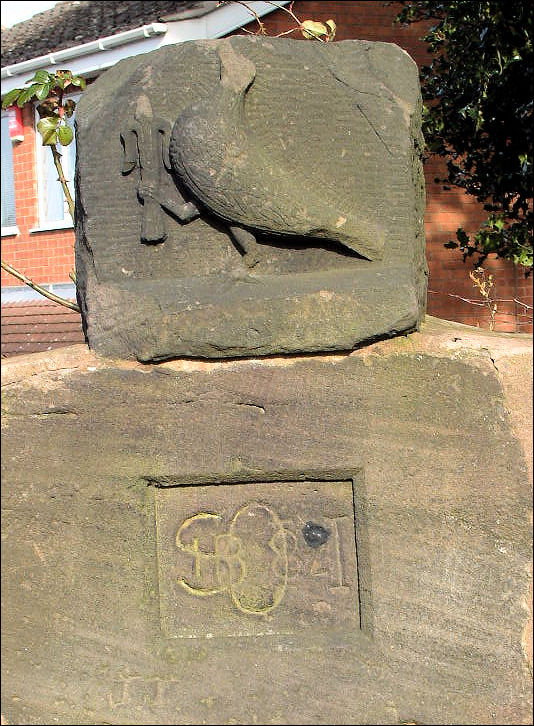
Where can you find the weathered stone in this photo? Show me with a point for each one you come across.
(250, 196)
(281, 553)
(103, 463)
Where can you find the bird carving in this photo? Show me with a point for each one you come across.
(225, 168)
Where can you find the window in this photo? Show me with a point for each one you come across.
(53, 208)
(8, 178)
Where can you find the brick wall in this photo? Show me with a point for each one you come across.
(45, 257)
(446, 210)
(48, 257)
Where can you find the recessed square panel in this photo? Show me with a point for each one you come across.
(257, 558)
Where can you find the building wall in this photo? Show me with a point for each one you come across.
(45, 257)
(48, 257)
(449, 279)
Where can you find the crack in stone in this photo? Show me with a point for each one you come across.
(256, 406)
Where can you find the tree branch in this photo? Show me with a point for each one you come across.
(41, 290)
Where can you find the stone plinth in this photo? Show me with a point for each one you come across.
(329, 539)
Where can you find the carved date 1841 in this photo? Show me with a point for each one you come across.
(256, 559)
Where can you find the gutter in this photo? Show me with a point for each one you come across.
(91, 58)
(76, 51)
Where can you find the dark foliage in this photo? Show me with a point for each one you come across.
(478, 114)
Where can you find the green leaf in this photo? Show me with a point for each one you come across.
(27, 94)
(11, 97)
(65, 135)
(43, 92)
(79, 81)
(41, 77)
(47, 127)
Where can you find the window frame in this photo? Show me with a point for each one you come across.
(10, 229)
(44, 222)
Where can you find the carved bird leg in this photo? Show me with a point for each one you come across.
(185, 211)
(247, 245)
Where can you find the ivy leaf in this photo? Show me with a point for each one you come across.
(27, 94)
(10, 97)
(47, 127)
(65, 135)
(41, 77)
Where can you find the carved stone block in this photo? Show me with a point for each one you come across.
(250, 196)
(323, 540)
(258, 559)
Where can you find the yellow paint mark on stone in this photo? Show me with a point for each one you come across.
(38, 552)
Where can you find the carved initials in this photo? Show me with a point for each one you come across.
(255, 576)
(253, 560)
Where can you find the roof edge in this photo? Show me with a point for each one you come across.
(201, 8)
(76, 51)
(98, 55)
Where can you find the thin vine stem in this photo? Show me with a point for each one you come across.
(41, 290)
(26, 280)
(289, 11)
(63, 180)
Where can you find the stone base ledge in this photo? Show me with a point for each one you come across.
(390, 485)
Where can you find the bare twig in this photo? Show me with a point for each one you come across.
(287, 32)
(261, 26)
(519, 302)
(43, 291)
(475, 302)
(478, 303)
(62, 180)
(288, 11)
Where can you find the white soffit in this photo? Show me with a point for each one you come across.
(91, 58)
